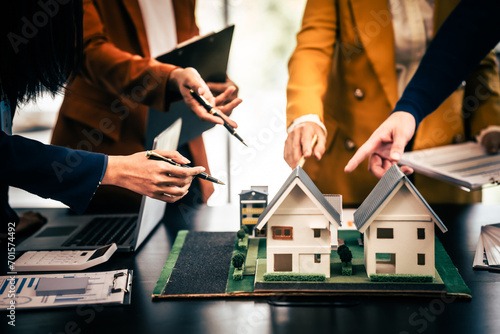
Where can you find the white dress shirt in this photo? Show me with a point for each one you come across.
(159, 21)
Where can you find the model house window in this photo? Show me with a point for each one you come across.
(421, 233)
(317, 233)
(421, 259)
(317, 258)
(282, 232)
(385, 233)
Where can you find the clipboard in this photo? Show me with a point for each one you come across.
(209, 55)
(107, 288)
(465, 165)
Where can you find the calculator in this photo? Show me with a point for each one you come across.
(66, 260)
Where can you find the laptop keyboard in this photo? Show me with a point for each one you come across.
(102, 231)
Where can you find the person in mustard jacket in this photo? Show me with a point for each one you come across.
(105, 108)
(352, 62)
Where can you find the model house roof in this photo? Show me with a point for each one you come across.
(336, 202)
(253, 194)
(300, 178)
(378, 198)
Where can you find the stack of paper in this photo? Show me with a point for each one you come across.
(466, 165)
(488, 248)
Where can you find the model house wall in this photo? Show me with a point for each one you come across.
(299, 221)
(398, 227)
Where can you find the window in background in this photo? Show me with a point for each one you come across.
(264, 38)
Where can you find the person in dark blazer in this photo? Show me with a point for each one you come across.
(41, 46)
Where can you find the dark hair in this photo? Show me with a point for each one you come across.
(40, 46)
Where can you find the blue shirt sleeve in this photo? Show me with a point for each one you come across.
(464, 39)
(66, 175)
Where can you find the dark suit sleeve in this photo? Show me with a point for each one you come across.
(69, 176)
(464, 39)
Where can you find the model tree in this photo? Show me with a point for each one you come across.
(241, 233)
(345, 254)
(238, 259)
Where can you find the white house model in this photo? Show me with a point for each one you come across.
(301, 224)
(398, 227)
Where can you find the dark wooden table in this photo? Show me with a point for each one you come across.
(333, 315)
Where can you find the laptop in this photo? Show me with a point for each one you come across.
(128, 231)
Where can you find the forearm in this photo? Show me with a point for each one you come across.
(465, 38)
(69, 176)
(311, 60)
(120, 73)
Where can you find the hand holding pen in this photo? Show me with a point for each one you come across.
(184, 80)
(155, 156)
(214, 112)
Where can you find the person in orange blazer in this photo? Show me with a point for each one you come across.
(105, 108)
(343, 72)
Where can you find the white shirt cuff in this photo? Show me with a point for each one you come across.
(307, 118)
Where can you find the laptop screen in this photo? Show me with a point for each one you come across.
(152, 210)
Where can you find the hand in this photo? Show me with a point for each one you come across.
(386, 145)
(185, 79)
(491, 142)
(298, 143)
(226, 95)
(218, 88)
(153, 178)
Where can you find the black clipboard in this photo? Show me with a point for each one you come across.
(209, 55)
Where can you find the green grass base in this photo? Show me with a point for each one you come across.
(170, 263)
(445, 270)
(358, 268)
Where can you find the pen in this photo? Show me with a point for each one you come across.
(303, 158)
(155, 156)
(201, 100)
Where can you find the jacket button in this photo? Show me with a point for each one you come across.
(350, 145)
(457, 139)
(359, 94)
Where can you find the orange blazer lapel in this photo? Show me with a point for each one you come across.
(134, 11)
(374, 25)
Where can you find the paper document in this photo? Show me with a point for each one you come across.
(466, 165)
(488, 248)
(110, 287)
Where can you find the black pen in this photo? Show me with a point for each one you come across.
(155, 156)
(201, 100)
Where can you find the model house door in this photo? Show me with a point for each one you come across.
(386, 263)
(283, 262)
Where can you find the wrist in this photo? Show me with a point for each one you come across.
(173, 80)
(313, 118)
(112, 175)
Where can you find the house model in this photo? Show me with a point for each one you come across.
(301, 224)
(252, 204)
(398, 227)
